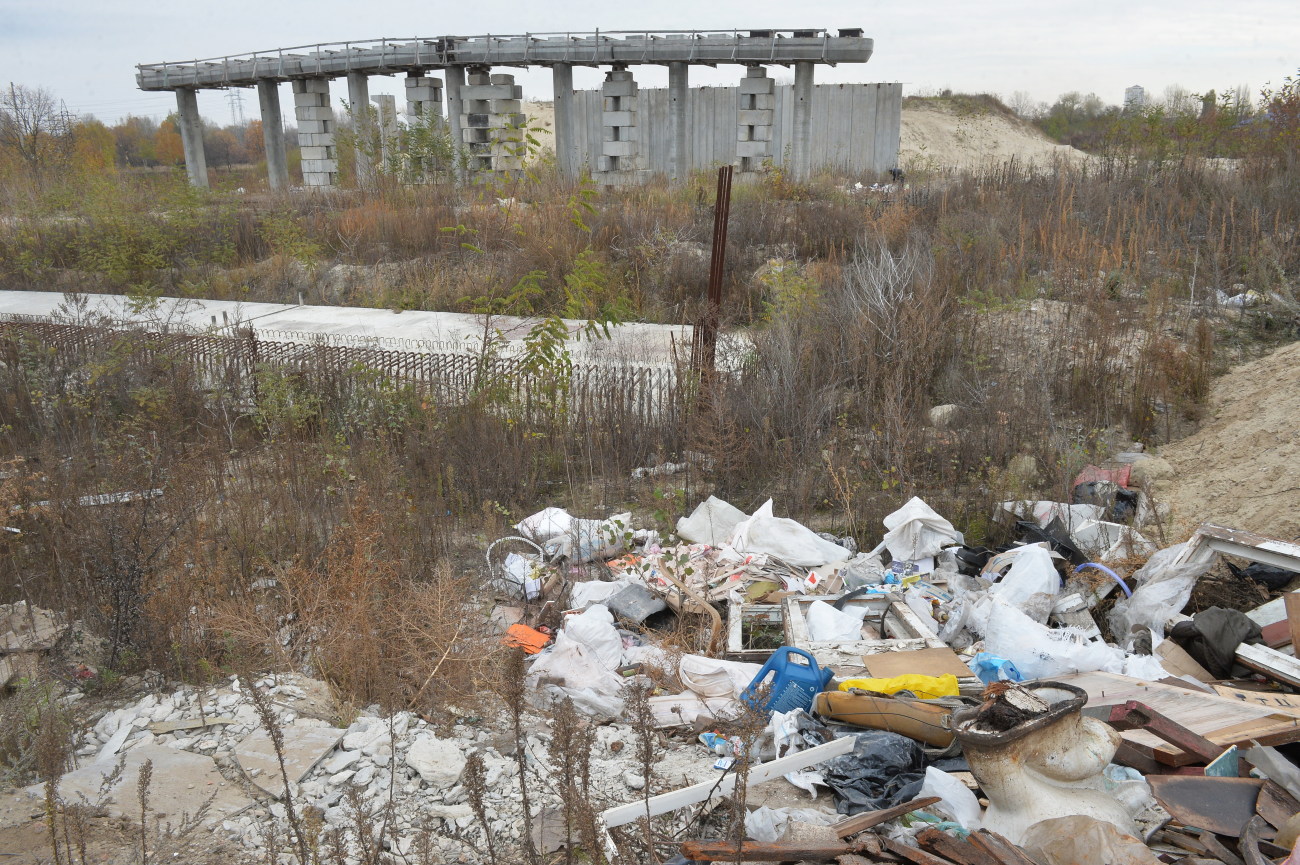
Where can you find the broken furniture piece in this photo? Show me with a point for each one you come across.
(888, 625)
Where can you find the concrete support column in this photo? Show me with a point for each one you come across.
(455, 109)
(315, 115)
(619, 149)
(423, 110)
(678, 83)
(187, 117)
(492, 121)
(277, 165)
(757, 94)
(362, 126)
(566, 157)
(803, 92)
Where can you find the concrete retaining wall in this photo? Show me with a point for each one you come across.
(855, 127)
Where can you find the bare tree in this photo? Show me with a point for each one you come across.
(29, 118)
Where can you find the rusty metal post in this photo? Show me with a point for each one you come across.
(705, 341)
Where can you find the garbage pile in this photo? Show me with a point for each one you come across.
(926, 700)
(1047, 698)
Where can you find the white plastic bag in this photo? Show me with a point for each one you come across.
(583, 595)
(829, 625)
(785, 539)
(594, 629)
(956, 799)
(712, 522)
(545, 524)
(1109, 541)
(916, 531)
(1032, 572)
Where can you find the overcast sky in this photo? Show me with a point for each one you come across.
(85, 51)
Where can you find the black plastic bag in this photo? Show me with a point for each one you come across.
(883, 770)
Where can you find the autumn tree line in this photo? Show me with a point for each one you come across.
(37, 136)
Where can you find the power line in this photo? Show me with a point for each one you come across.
(236, 100)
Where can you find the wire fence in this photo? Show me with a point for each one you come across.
(645, 393)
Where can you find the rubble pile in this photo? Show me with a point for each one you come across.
(926, 700)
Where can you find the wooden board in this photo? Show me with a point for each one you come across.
(1223, 721)
(923, 662)
(1272, 700)
(1275, 804)
(1270, 662)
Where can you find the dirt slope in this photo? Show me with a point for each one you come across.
(1242, 468)
(938, 136)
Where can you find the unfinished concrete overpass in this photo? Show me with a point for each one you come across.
(483, 110)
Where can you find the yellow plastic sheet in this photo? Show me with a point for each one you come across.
(925, 687)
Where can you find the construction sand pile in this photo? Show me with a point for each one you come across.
(938, 137)
(1242, 468)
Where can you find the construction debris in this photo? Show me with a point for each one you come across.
(895, 679)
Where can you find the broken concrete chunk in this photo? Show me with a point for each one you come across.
(303, 749)
(439, 762)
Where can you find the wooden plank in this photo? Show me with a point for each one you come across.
(621, 815)
(911, 854)
(1273, 700)
(1291, 603)
(868, 819)
(1275, 804)
(1271, 663)
(760, 851)
(1276, 635)
(1000, 848)
(1223, 721)
(961, 852)
(1216, 848)
(923, 662)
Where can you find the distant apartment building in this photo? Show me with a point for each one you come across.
(1135, 98)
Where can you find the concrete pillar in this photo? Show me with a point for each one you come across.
(619, 150)
(187, 118)
(566, 155)
(362, 126)
(492, 121)
(678, 82)
(455, 108)
(803, 91)
(311, 105)
(385, 111)
(423, 110)
(757, 95)
(277, 165)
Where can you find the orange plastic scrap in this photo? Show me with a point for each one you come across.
(526, 638)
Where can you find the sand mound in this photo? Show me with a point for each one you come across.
(1242, 468)
(938, 136)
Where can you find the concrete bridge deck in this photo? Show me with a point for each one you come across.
(414, 55)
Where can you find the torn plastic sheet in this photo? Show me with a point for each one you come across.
(712, 522)
(785, 539)
(1163, 588)
(916, 531)
(1040, 652)
(956, 799)
(1111, 541)
(769, 824)
(1043, 512)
